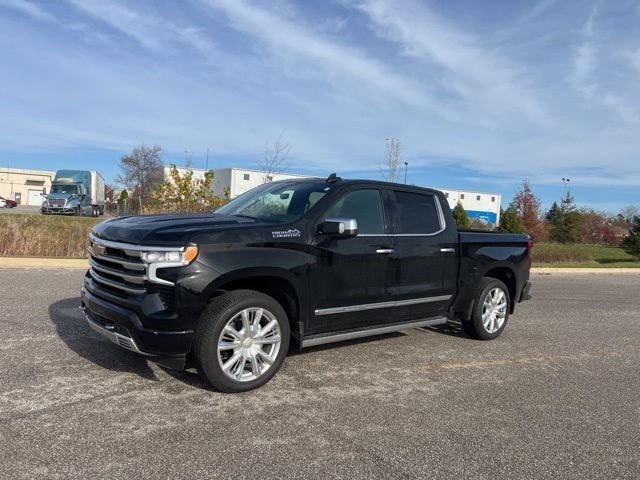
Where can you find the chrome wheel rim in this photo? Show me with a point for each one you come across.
(494, 310)
(249, 344)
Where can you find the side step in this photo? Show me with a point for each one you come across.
(340, 337)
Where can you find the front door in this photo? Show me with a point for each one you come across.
(350, 283)
(427, 256)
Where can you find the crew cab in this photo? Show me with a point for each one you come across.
(295, 263)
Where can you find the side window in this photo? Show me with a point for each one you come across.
(417, 213)
(363, 205)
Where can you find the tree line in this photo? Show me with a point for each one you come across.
(565, 222)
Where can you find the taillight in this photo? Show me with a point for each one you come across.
(530, 247)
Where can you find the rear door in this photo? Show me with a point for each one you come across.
(427, 257)
(352, 279)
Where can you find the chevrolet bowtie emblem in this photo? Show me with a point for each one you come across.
(98, 249)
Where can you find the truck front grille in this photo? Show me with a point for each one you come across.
(57, 203)
(117, 268)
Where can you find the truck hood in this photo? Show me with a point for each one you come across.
(167, 230)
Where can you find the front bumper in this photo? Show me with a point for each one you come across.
(124, 328)
(59, 210)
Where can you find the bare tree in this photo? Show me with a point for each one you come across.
(142, 170)
(630, 212)
(275, 155)
(188, 159)
(110, 193)
(390, 167)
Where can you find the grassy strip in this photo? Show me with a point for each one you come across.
(60, 236)
(44, 236)
(581, 256)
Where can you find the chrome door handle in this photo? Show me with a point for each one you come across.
(385, 251)
(448, 250)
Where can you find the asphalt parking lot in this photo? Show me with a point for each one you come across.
(22, 210)
(556, 396)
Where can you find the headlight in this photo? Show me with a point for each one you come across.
(184, 257)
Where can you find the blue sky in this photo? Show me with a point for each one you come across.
(480, 94)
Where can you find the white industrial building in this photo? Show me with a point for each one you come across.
(237, 180)
(481, 205)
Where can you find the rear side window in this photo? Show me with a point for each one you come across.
(363, 205)
(416, 213)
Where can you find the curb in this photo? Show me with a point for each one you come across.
(83, 264)
(584, 271)
(37, 262)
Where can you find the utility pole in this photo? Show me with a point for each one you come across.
(406, 166)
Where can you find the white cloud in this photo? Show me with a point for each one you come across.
(487, 82)
(146, 27)
(26, 7)
(287, 38)
(585, 60)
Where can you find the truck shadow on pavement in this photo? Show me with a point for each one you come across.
(73, 330)
(451, 328)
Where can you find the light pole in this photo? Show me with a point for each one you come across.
(406, 166)
(566, 182)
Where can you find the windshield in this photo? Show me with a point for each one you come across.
(64, 189)
(277, 202)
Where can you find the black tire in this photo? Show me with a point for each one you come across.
(213, 320)
(77, 212)
(475, 327)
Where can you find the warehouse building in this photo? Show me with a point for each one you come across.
(236, 180)
(26, 187)
(481, 205)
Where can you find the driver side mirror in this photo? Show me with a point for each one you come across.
(339, 227)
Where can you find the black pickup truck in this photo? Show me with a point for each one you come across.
(300, 263)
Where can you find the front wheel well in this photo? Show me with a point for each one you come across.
(277, 288)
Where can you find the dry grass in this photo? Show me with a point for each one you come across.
(580, 255)
(44, 236)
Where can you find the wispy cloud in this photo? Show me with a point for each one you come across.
(286, 38)
(145, 26)
(28, 8)
(475, 70)
(585, 60)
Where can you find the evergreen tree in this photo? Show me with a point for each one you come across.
(123, 195)
(565, 226)
(553, 212)
(461, 217)
(511, 221)
(631, 243)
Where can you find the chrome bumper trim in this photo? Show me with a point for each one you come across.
(120, 340)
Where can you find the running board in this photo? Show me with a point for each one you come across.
(340, 337)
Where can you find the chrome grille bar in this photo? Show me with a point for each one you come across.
(96, 276)
(111, 258)
(129, 278)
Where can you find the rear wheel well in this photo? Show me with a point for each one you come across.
(506, 276)
(277, 288)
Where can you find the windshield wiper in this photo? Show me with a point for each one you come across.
(245, 216)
